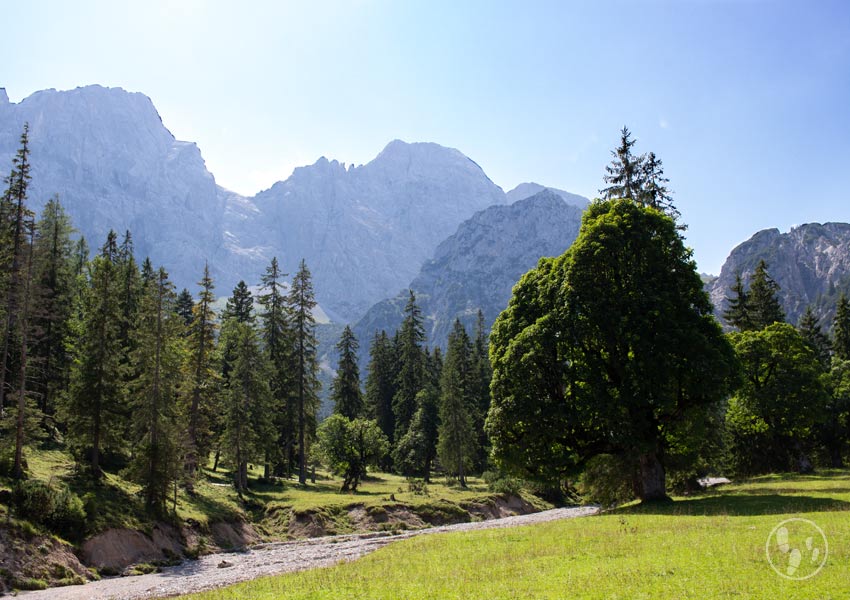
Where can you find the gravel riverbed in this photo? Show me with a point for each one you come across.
(271, 559)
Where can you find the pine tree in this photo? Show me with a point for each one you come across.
(185, 307)
(654, 191)
(240, 305)
(18, 468)
(457, 442)
(203, 389)
(17, 195)
(95, 410)
(481, 375)
(411, 359)
(247, 414)
(157, 357)
(380, 386)
(737, 313)
(53, 300)
(301, 303)
(278, 345)
(812, 334)
(625, 173)
(762, 300)
(346, 393)
(841, 329)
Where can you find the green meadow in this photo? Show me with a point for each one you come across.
(712, 545)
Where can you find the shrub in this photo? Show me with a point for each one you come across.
(57, 508)
(501, 483)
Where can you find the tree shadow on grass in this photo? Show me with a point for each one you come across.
(738, 505)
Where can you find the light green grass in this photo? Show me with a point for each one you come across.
(711, 546)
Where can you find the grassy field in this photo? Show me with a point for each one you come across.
(710, 546)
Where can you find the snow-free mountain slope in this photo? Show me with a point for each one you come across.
(115, 166)
(811, 264)
(477, 267)
(526, 190)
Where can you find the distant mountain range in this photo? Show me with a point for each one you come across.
(364, 231)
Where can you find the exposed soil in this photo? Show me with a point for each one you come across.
(219, 570)
(28, 561)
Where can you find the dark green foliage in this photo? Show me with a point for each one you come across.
(55, 507)
(380, 386)
(482, 373)
(834, 430)
(737, 311)
(415, 451)
(457, 442)
(411, 362)
(240, 306)
(762, 301)
(346, 393)
(301, 302)
(184, 307)
(773, 415)
(608, 480)
(53, 301)
(604, 349)
(157, 358)
(201, 394)
(812, 334)
(278, 340)
(638, 177)
(348, 447)
(247, 415)
(95, 411)
(841, 329)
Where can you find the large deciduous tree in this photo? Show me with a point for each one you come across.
(607, 349)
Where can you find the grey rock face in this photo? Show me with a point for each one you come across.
(364, 231)
(526, 190)
(115, 166)
(477, 267)
(811, 264)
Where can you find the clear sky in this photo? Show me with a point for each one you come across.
(747, 102)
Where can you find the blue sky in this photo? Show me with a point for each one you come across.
(747, 102)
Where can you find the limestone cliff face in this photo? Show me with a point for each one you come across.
(477, 267)
(115, 166)
(811, 264)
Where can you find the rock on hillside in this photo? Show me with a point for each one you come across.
(811, 264)
(115, 166)
(478, 266)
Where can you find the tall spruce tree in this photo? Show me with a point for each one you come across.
(277, 341)
(411, 363)
(203, 389)
(346, 393)
(841, 329)
(301, 302)
(247, 416)
(810, 330)
(158, 354)
(480, 392)
(53, 300)
(380, 387)
(18, 468)
(625, 173)
(185, 306)
(763, 300)
(457, 442)
(737, 313)
(19, 214)
(95, 410)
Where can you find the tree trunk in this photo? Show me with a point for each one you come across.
(653, 478)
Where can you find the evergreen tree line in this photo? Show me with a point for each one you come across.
(792, 408)
(102, 354)
(425, 411)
